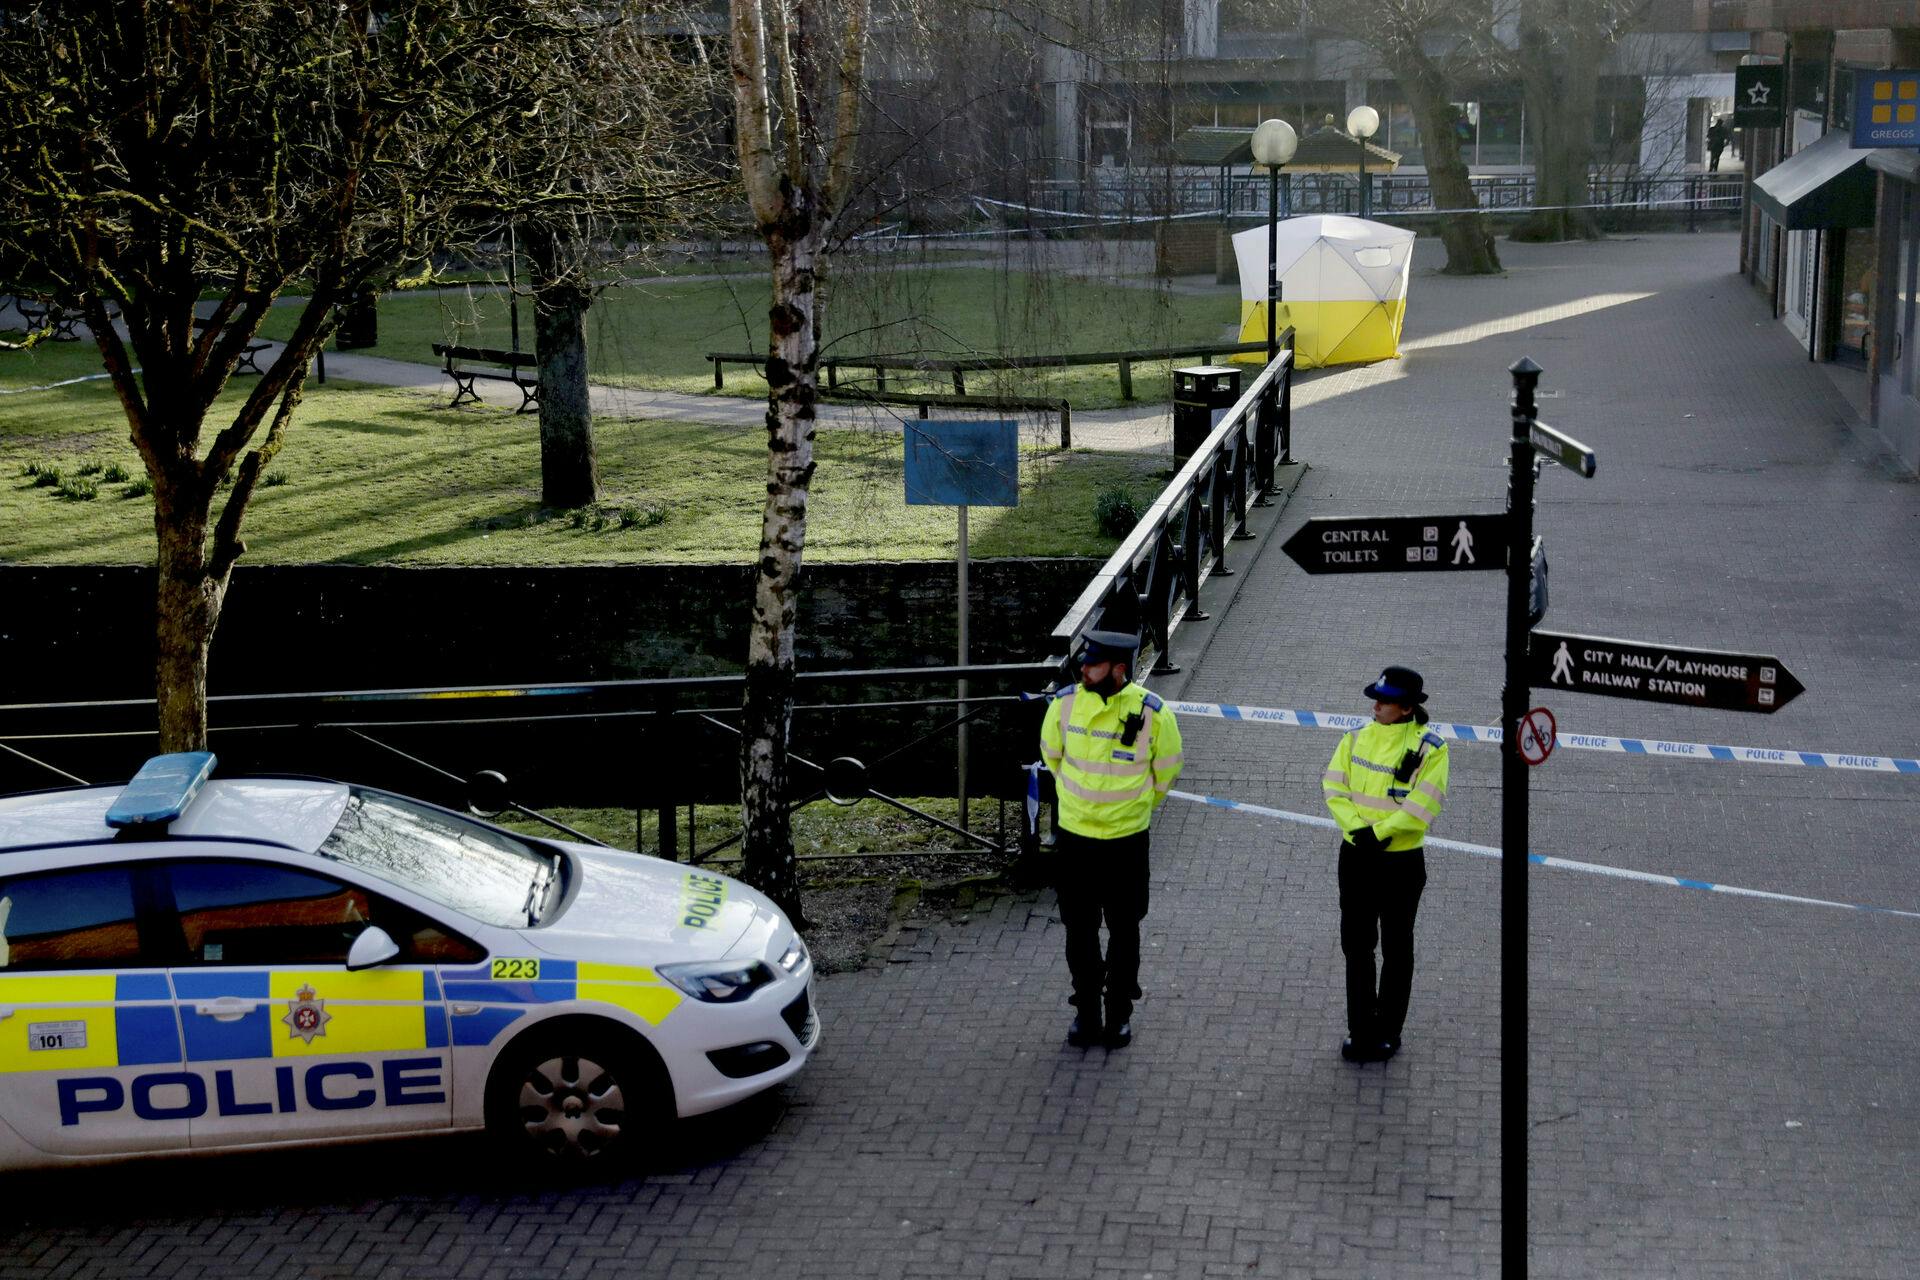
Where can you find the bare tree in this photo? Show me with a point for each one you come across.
(797, 80)
(1563, 44)
(1431, 47)
(152, 151)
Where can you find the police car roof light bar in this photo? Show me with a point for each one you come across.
(162, 790)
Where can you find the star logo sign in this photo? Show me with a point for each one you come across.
(1758, 95)
(306, 1016)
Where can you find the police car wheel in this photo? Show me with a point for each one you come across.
(574, 1097)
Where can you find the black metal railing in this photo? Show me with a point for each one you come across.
(1182, 539)
(651, 745)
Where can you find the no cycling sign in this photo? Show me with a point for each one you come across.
(1537, 735)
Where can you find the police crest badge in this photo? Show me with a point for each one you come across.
(307, 1015)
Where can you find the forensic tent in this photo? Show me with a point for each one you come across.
(1343, 287)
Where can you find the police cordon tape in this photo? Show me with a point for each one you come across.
(1578, 741)
(1561, 864)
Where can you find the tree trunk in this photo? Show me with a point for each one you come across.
(767, 711)
(1561, 82)
(569, 467)
(1469, 240)
(188, 608)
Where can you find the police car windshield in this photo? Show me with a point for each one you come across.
(476, 870)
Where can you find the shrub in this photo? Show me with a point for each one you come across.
(577, 517)
(47, 477)
(137, 488)
(79, 489)
(91, 467)
(114, 474)
(30, 469)
(1115, 512)
(273, 479)
(643, 517)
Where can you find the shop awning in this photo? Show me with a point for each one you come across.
(1824, 184)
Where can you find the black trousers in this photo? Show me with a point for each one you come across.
(1379, 897)
(1100, 880)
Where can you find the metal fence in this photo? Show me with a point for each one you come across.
(1147, 195)
(1182, 540)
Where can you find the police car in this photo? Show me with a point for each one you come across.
(196, 964)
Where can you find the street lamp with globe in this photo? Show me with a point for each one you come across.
(1274, 143)
(1363, 122)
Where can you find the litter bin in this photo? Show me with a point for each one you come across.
(1202, 394)
(359, 324)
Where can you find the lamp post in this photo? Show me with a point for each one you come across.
(1363, 122)
(1274, 143)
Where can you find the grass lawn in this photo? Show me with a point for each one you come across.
(654, 335)
(382, 475)
(819, 828)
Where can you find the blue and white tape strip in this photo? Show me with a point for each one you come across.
(1562, 864)
(1577, 741)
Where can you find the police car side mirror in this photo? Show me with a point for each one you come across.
(372, 947)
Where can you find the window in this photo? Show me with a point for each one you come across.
(251, 913)
(476, 870)
(69, 920)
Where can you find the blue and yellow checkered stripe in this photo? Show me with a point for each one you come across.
(639, 991)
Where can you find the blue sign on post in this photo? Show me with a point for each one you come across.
(954, 463)
(1886, 109)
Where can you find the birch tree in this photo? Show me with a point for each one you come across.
(797, 83)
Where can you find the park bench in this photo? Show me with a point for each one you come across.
(41, 312)
(247, 363)
(959, 367)
(510, 364)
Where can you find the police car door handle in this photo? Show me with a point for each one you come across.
(227, 1008)
(464, 1010)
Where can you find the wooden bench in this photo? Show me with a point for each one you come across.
(960, 367)
(510, 362)
(247, 363)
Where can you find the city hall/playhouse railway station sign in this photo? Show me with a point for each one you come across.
(1660, 672)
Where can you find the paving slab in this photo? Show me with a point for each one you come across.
(1722, 1087)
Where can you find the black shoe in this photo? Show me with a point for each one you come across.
(1386, 1050)
(1364, 1051)
(1121, 1036)
(1084, 1033)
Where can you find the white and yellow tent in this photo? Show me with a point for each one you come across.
(1343, 287)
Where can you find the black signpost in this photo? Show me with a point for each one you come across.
(1389, 544)
(1661, 673)
(1526, 593)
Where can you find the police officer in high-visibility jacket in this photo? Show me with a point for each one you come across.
(1114, 750)
(1384, 786)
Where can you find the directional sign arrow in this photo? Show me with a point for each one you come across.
(1660, 672)
(1387, 544)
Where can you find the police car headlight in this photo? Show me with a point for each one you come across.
(717, 982)
(794, 956)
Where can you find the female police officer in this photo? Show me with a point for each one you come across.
(1384, 786)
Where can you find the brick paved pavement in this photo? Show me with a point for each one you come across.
(1723, 1087)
